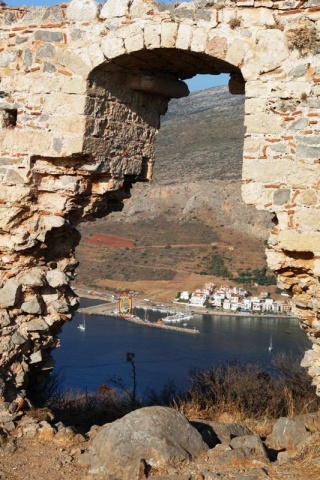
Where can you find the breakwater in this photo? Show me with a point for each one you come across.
(102, 310)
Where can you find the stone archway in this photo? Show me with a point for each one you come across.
(62, 155)
(126, 98)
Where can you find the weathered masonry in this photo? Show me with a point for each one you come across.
(82, 89)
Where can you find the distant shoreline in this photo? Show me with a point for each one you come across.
(201, 311)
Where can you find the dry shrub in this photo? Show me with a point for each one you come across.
(232, 392)
(298, 392)
(83, 410)
(303, 38)
(246, 391)
(306, 458)
(240, 389)
(234, 22)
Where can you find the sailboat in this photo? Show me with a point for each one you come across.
(146, 316)
(270, 348)
(82, 326)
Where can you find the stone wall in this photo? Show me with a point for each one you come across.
(82, 88)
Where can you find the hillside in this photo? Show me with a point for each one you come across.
(201, 137)
(193, 209)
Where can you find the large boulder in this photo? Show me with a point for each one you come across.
(286, 434)
(157, 436)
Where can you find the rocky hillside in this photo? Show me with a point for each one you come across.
(198, 165)
(195, 199)
(201, 137)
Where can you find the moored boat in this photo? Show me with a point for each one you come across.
(178, 317)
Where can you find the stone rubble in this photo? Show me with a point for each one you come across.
(130, 448)
(151, 442)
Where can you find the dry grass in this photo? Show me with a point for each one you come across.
(235, 22)
(305, 38)
(244, 391)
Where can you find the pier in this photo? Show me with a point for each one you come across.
(105, 309)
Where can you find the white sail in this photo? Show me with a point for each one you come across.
(82, 325)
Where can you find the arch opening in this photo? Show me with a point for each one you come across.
(126, 99)
(123, 105)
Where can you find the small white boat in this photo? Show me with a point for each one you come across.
(177, 317)
(270, 348)
(82, 326)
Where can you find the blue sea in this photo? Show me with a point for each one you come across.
(87, 359)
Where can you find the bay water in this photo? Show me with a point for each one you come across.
(86, 359)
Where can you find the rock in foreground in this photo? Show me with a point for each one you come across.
(157, 435)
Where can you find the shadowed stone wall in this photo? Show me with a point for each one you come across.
(82, 88)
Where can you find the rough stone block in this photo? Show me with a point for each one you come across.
(72, 145)
(316, 267)
(10, 293)
(48, 36)
(257, 17)
(113, 47)
(32, 278)
(184, 36)
(7, 57)
(134, 41)
(47, 51)
(36, 325)
(32, 306)
(36, 357)
(74, 63)
(66, 124)
(305, 151)
(152, 34)
(139, 9)
(266, 123)
(56, 279)
(281, 196)
(169, 32)
(96, 57)
(114, 8)
(294, 241)
(199, 40)
(63, 103)
(82, 10)
(308, 220)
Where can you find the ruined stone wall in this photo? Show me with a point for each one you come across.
(82, 88)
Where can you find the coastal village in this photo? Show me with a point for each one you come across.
(233, 299)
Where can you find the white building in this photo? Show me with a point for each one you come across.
(246, 304)
(184, 296)
(226, 304)
(198, 298)
(267, 305)
(217, 302)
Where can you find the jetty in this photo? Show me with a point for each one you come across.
(105, 310)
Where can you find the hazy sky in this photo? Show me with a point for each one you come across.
(198, 82)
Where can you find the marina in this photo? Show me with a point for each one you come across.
(166, 322)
